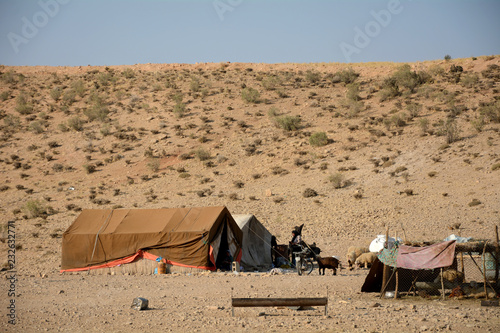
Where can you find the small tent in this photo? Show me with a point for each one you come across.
(189, 237)
(256, 243)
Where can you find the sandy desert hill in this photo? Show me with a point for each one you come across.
(345, 149)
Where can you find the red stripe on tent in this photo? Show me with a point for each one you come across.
(139, 254)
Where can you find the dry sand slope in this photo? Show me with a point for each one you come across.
(345, 149)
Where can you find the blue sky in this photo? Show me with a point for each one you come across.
(126, 32)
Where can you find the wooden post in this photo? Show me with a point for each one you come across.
(497, 255)
(397, 284)
(442, 282)
(484, 270)
(404, 233)
(461, 256)
(385, 272)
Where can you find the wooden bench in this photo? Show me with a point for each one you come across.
(266, 302)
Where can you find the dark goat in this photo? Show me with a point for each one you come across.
(328, 262)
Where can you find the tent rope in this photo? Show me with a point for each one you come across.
(97, 235)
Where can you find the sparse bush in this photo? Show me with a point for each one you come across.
(491, 111)
(36, 127)
(288, 123)
(273, 112)
(478, 124)
(495, 167)
(128, 73)
(337, 180)
(5, 95)
(89, 168)
(250, 95)
(98, 111)
(346, 76)
(202, 154)
(179, 110)
(353, 92)
(470, 80)
(22, 104)
(154, 164)
(447, 57)
(309, 192)
(318, 139)
(313, 76)
(69, 97)
(451, 131)
(271, 82)
(195, 84)
(79, 88)
(233, 196)
(76, 123)
(414, 109)
(424, 125)
(56, 93)
(34, 209)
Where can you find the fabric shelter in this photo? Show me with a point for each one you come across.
(190, 237)
(256, 243)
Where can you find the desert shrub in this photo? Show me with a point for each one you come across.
(89, 168)
(470, 80)
(34, 209)
(495, 167)
(179, 110)
(98, 111)
(346, 76)
(36, 127)
(76, 123)
(353, 92)
(154, 164)
(451, 131)
(436, 70)
(195, 84)
(128, 73)
(407, 78)
(423, 123)
(233, 196)
(318, 139)
(5, 95)
(398, 120)
(79, 88)
(271, 82)
(69, 97)
(309, 192)
(353, 108)
(337, 180)
(56, 93)
(323, 166)
(202, 154)
(273, 112)
(447, 57)
(22, 104)
(491, 111)
(288, 123)
(390, 89)
(414, 109)
(250, 95)
(313, 76)
(12, 122)
(478, 124)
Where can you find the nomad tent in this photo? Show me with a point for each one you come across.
(189, 237)
(256, 243)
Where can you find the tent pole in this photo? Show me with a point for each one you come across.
(385, 272)
(484, 271)
(397, 284)
(461, 255)
(442, 282)
(497, 255)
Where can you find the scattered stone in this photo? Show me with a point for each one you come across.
(139, 304)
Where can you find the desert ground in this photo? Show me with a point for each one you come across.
(346, 149)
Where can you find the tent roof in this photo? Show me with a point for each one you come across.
(183, 235)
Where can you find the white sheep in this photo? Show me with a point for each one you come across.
(353, 252)
(366, 259)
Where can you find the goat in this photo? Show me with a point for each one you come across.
(328, 262)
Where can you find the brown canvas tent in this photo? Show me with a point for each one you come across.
(190, 237)
(256, 243)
